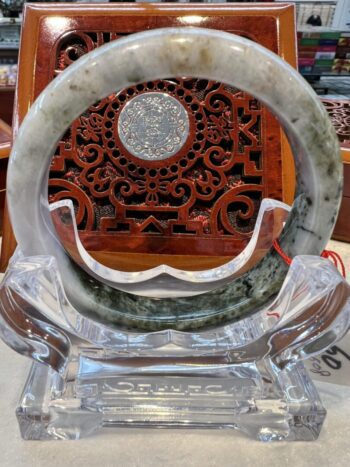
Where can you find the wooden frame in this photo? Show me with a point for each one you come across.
(51, 19)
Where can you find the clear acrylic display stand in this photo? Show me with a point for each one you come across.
(247, 375)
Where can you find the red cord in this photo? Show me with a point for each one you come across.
(282, 254)
(329, 254)
(335, 257)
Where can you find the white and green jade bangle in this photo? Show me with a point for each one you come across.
(158, 54)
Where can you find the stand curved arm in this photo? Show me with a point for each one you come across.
(313, 331)
(26, 333)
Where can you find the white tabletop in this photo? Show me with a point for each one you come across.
(151, 447)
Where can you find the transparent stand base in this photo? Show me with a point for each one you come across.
(257, 399)
(246, 375)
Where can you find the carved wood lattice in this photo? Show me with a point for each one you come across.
(210, 190)
(339, 112)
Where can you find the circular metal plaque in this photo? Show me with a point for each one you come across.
(153, 126)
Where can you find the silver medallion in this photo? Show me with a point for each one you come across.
(153, 126)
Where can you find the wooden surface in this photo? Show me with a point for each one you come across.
(7, 97)
(44, 26)
(5, 139)
(5, 147)
(342, 227)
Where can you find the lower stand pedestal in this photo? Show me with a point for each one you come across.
(258, 399)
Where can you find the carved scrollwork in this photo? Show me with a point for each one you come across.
(211, 187)
(339, 112)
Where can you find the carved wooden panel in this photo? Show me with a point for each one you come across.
(54, 35)
(339, 112)
(204, 198)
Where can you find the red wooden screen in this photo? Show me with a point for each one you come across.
(202, 200)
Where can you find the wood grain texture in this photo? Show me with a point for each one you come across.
(7, 97)
(5, 148)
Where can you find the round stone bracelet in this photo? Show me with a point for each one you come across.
(158, 54)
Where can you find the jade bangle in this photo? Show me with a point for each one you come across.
(158, 54)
